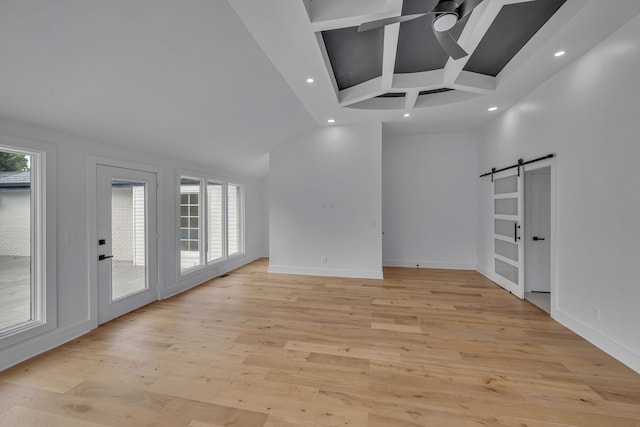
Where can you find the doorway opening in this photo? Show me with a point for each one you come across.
(537, 237)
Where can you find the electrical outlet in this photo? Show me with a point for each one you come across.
(324, 259)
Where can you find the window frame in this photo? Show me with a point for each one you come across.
(240, 214)
(43, 266)
(204, 204)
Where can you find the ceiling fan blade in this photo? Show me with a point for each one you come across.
(467, 7)
(371, 25)
(450, 45)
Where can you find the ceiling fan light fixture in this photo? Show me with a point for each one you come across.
(445, 22)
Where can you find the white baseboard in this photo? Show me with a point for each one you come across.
(428, 264)
(612, 348)
(199, 277)
(327, 272)
(22, 351)
(609, 346)
(486, 273)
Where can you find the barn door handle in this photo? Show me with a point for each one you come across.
(103, 257)
(515, 232)
(536, 238)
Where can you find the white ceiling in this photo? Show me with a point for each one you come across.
(184, 78)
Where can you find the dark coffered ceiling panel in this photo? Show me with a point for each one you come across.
(492, 35)
(355, 57)
(511, 30)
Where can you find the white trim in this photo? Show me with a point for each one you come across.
(44, 227)
(92, 225)
(428, 264)
(204, 275)
(25, 350)
(552, 164)
(604, 343)
(327, 272)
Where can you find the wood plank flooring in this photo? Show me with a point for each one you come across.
(420, 348)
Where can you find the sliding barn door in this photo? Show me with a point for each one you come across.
(508, 247)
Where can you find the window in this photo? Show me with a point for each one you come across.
(233, 218)
(27, 302)
(189, 223)
(215, 248)
(210, 221)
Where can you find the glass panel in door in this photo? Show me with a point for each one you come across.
(507, 232)
(128, 236)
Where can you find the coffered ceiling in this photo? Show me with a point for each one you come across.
(400, 75)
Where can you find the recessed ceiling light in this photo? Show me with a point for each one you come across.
(310, 80)
(492, 108)
(559, 53)
(407, 115)
(331, 121)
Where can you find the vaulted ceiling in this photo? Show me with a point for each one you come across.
(222, 83)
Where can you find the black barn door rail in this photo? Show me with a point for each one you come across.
(518, 165)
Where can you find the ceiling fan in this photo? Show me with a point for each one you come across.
(447, 14)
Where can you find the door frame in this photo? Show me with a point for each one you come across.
(531, 213)
(92, 225)
(552, 164)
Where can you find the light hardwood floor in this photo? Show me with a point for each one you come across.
(421, 348)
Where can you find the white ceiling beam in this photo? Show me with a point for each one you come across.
(411, 98)
(474, 82)
(353, 18)
(391, 33)
(328, 10)
(357, 93)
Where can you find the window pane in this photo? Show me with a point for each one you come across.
(233, 219)
(506, 206)
(214, 235)
(507, 271)
(189, 216)
(16, 245)
(508, 184)
(128, 236)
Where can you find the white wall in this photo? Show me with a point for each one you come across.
(429, 200)
(588, 115)
(75, 316)
(325, 201)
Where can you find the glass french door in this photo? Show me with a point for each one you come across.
(127, 246)
(508, 247)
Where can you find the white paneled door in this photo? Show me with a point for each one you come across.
(508, 247)
(127, 244)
